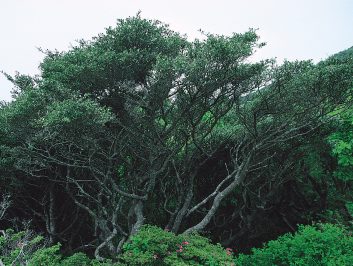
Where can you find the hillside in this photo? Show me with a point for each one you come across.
(348, 53)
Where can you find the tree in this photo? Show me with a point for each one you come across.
(126, 124)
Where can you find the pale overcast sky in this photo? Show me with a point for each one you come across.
(292, 29)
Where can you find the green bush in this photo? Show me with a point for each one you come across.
(51, 256)
(46, 257)
(150, 246)
(154, 246)
(321, 244)
(16, 248)
(27, 248)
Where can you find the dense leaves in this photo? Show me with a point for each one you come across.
(322, 244)
(153, 246)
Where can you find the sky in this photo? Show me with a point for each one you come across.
(292, 29)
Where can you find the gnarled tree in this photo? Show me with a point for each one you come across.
(128, 122)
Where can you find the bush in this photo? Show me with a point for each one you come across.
(321, 244)
(27, 248)
(51, 256)
(16, 248)
(46, 257)
(153, 246)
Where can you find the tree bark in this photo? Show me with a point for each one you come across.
(183, 211)
(238, 176)
(138, 211)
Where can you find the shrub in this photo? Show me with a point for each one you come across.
(16, 248)
(51, 256)
(27, 248)
(153, 246)
(46, 257)
(321, 244)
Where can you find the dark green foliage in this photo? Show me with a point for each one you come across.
(126, 52)
(342, 141)
(344, 55)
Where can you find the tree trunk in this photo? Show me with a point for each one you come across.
(238, 176)
(182, 212)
